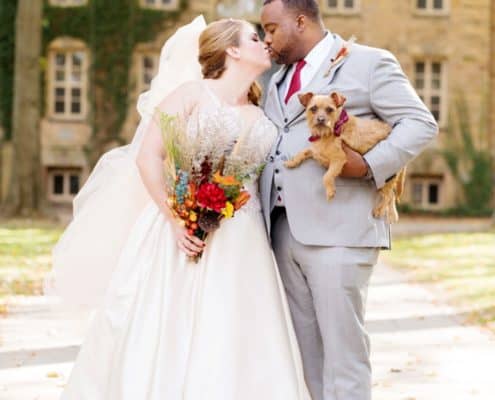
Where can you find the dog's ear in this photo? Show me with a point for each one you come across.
(338, 98)
(305, 98)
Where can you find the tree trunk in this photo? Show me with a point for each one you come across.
(25, 186)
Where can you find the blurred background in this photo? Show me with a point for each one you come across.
(70, 75)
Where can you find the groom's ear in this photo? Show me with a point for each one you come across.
(305, 98)
(301, 22)
(234, 52)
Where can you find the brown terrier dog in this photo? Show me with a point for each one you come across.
(330, 127)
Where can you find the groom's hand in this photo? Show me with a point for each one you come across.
(355, 167)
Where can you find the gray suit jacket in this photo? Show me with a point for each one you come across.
(375, 87)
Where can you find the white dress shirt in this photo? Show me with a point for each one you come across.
(314, 59)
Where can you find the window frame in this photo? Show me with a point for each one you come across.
(142, 86)
(427, 92)
(429, 11)
(173, 6)
(340, 9)
(425, 182)
(67, 47)
(66, 172)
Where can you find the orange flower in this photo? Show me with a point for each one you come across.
(192, 192)
(242, 199)
(225, 180)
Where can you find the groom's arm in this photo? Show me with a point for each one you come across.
(394, 101)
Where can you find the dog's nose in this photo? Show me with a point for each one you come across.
(320, 119)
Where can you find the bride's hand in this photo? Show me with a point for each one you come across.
(189, 244)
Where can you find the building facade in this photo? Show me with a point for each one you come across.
(444, 46)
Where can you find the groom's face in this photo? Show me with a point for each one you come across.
(280, 26)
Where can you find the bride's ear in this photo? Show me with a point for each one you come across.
(234, 52)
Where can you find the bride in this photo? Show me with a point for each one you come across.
(166, 328)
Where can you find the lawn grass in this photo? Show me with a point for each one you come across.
(25, 255)
(463, 264)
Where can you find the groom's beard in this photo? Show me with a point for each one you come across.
(279, 58)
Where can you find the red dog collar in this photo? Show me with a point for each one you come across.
(337, 129)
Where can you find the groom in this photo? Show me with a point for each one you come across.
(326, 250)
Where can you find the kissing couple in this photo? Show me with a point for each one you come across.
(275, 307)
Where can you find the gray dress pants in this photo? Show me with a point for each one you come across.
(326, 290)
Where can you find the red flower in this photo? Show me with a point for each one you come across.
(211, 196)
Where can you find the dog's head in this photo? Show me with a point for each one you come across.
(322, 112)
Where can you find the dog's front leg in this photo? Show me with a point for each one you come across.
(299, 158)
(334, 169)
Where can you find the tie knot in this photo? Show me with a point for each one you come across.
(300, 64)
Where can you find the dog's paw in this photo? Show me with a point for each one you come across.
(330, 194)
(378, 212)
(291, 164)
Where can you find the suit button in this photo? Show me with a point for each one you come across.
(272, 158)
(279, 188)
(277, 152)
(277, 171)
(286, 129)
(286, 120)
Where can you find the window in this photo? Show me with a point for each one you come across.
(68, 3)
(160, 4)
(63, 183)
(342, 6)
(429, 80)
(245, 9)
(67, 81)
(432, 7)
(426, 192)
(148, 68)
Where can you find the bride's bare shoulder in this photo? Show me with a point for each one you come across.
(183, 98)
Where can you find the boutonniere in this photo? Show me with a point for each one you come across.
(342, 53)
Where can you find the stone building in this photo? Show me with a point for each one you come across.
(444, 46)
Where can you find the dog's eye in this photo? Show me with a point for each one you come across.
(314, 109)
(330, 110)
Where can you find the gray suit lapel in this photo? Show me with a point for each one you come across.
(273, 106)
(320, 82)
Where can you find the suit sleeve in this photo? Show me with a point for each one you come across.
(394, 101)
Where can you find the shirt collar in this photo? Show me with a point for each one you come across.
(315, 57)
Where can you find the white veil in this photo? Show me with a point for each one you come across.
(113, 197)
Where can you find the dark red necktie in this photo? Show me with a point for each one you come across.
(295, 83)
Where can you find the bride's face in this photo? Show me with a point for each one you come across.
(253, 50)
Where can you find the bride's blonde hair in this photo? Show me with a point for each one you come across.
(213, 44)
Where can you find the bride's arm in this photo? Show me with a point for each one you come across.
(151, 156)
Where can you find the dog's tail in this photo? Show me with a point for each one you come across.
(400, 184)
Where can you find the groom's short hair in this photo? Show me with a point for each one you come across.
(309, 8)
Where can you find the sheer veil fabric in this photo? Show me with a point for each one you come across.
(113, 197)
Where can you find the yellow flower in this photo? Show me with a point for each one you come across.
(225, 180)
(193, 216)
(228, 211)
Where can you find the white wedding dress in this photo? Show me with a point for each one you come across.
(169, 329)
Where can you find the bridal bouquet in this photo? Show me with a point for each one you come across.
(205, 174)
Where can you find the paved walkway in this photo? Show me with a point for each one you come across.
(409, 225)
(421, 349)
